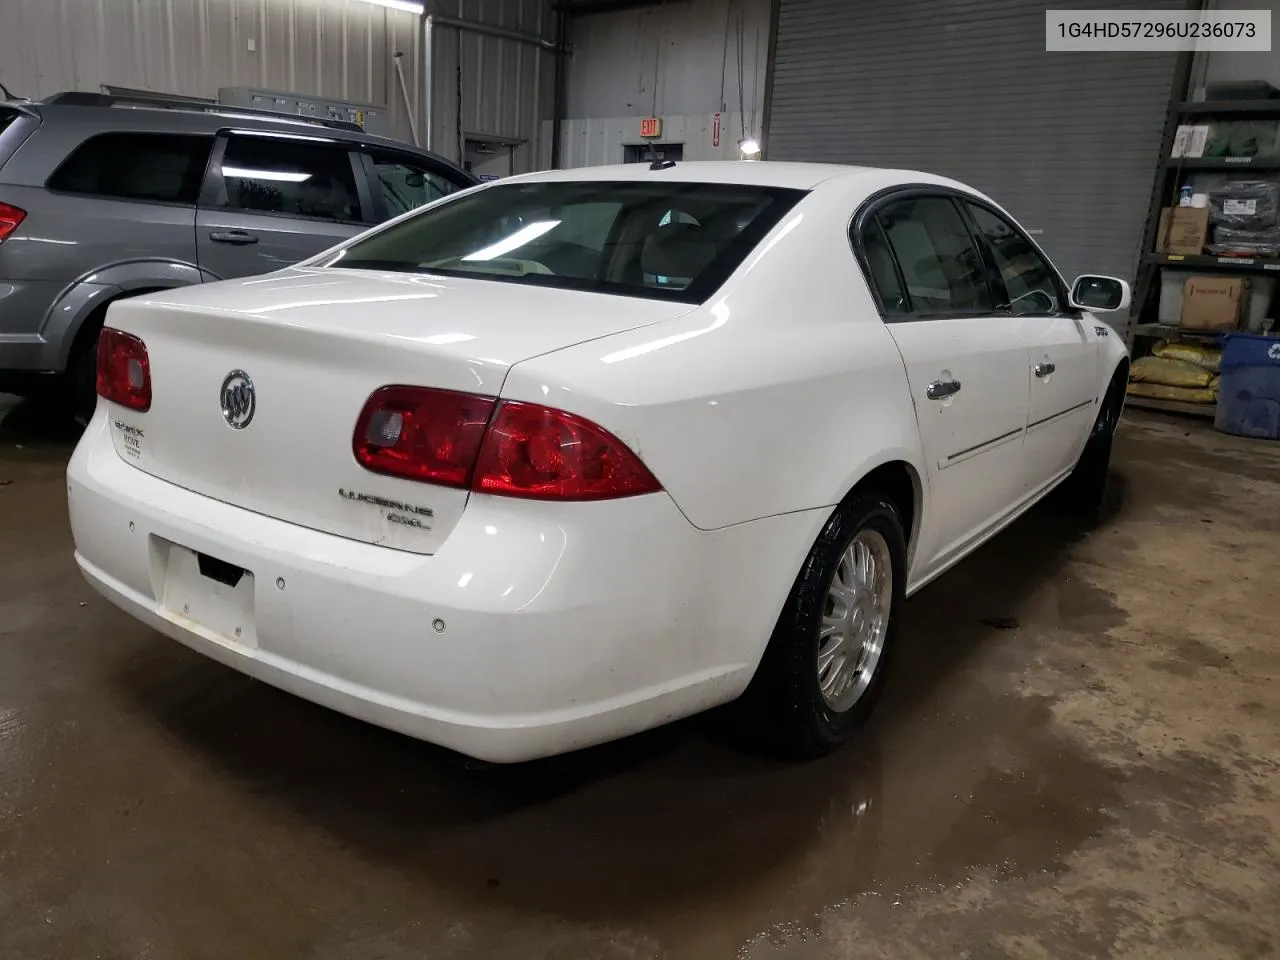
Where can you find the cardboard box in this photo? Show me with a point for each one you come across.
(1183, 231)
(1213, 303)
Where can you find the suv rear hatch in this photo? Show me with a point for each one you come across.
(17, 122)
(316, 344)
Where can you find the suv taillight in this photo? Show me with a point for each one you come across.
(10, 218)
(500, 447)
(124, 371)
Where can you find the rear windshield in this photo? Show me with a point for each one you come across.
(668, 241)
(9, 118)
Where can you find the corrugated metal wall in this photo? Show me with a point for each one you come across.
(669, 59)
(329, 48)
(1068, 142)
(507, 86)
(678, 61)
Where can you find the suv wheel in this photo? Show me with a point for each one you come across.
(82, 373)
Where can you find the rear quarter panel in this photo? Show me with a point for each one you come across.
(776, 396)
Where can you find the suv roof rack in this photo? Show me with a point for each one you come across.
(77, 98)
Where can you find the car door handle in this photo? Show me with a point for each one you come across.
(941, 389)
(238, 237)
(1044, 369)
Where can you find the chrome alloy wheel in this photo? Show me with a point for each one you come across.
(855, 619)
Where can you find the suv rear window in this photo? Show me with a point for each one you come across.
(7, 116)
(668, 240)
(136, 166)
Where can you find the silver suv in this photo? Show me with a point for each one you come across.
(103, 197)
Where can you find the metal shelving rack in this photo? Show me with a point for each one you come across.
(1168, 179)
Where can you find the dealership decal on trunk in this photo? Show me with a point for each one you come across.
(130, 437)
(405, 514)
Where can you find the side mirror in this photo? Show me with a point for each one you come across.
(1100, 293)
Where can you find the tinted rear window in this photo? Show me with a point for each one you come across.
(669, 241)
(136, 166)
(12, 131)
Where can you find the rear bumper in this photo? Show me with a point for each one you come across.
(29, 383)
(536, 629)
(23, 307)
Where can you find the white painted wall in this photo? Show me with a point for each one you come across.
(589, 142)
(1231, 65)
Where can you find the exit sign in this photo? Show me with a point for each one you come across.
(651, 127)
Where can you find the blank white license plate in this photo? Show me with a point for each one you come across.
(208, 594)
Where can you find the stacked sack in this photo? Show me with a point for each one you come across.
(1187, 372)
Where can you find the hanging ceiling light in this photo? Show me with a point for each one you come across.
(408, 6)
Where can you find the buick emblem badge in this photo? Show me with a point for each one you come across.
(238, 400)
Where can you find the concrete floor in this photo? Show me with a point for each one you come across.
(1093, 771)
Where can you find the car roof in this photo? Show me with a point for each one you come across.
(759, 173)
(179, 115)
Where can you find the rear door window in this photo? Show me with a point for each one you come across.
(940, 263)
(295, 178)
(155, 167)
(884, 275)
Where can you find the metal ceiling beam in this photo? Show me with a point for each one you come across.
(582, 8)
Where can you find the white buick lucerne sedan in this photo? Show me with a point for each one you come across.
(573, 454)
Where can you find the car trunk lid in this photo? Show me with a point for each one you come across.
(315, 344)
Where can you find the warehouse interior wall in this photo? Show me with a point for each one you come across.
(342, 49)
(493, 90)
(1223, 65)
(683, 61)
(329, 48)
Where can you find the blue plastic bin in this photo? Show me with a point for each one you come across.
(1249, 393)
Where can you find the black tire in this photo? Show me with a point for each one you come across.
(785, 700)
(1085, 488)
(82, 373)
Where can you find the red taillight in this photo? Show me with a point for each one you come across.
(420, 434)
(124, 371)
(535, 451)
(10, 218)
(521, 450)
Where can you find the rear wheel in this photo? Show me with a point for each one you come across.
(826, 662)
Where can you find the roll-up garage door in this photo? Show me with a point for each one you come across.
(1067, 142)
